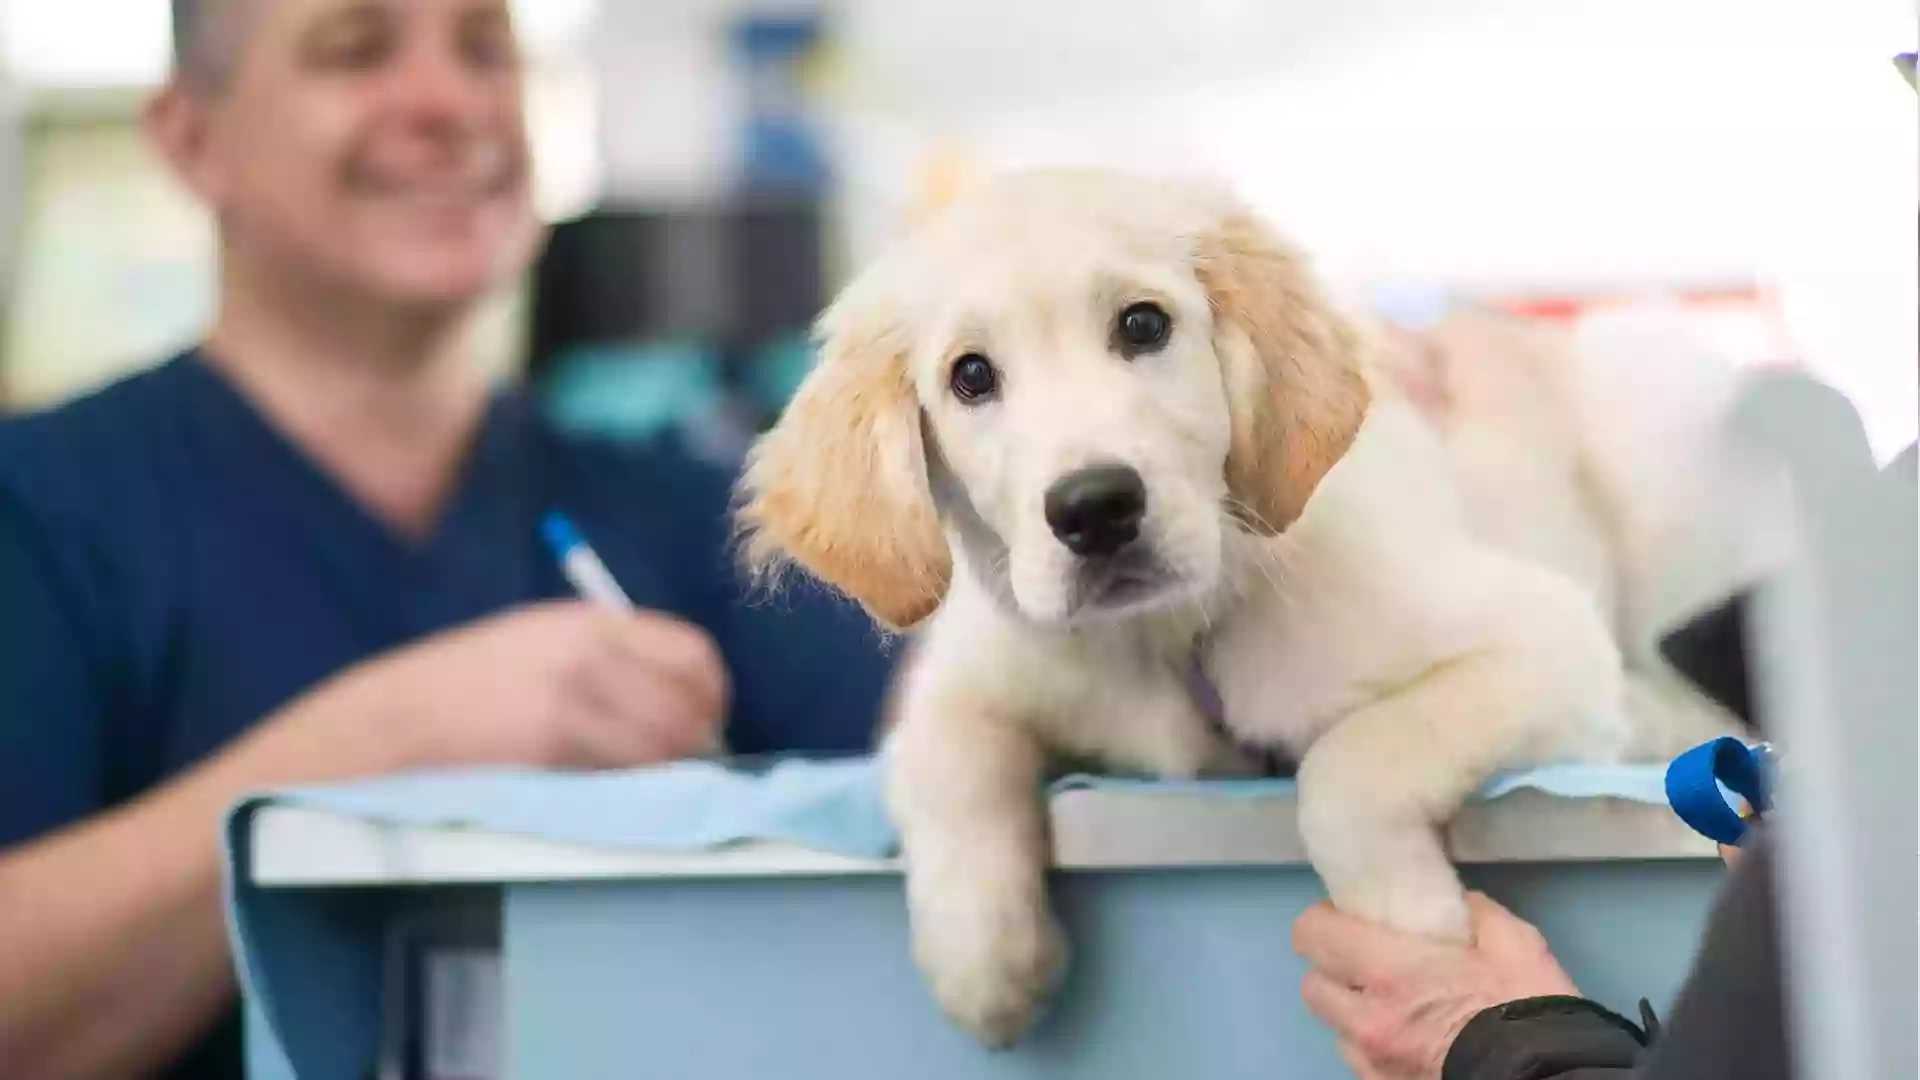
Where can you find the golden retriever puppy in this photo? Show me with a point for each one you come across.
(1103, 442)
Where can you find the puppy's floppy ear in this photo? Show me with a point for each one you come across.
(1292, 365)
(839, 485)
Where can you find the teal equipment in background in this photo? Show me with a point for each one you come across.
(633, 391)
(776, 369)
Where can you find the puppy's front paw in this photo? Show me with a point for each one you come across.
(1431, 905)
(1383, 866)
(993, 962)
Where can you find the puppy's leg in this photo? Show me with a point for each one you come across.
(1375, 789)
(964, 787)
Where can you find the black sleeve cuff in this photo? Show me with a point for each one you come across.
(1540, 1038)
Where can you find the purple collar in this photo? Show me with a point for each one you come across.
(1206, 695)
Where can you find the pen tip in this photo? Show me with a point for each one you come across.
(559, 532)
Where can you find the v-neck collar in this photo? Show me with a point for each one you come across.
(475, 551)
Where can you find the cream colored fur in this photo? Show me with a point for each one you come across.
(1552, 471)
(1313, 545)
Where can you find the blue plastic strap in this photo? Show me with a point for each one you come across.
(1695, 779)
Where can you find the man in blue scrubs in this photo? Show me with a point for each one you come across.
(309, 550)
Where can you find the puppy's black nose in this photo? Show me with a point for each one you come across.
(1097, 511)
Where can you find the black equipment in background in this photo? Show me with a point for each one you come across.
(737, 283)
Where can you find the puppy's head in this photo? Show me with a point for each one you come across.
(1076, 383)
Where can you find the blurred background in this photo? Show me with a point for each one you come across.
(715, 167)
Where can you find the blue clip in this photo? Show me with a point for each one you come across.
(1695, 780)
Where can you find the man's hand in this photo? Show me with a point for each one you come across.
(1397, 1001)
(562, 685)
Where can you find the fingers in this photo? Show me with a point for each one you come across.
(1516, 950)
(1353, 951)
(642, 688)
(1345, 1011)
(650, 688)
(1484, 910)
(635, 715)
(676, 650)
(1338, 1006)
(1498, 930)
(1494, 927)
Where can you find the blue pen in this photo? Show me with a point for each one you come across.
(584, 570)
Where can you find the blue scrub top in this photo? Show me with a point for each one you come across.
(172, 570)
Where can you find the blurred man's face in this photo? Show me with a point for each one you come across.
(376, 144)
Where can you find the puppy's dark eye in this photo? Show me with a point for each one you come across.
(973, 378)
(1142, 327)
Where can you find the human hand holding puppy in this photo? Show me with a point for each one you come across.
(1396, 1001)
